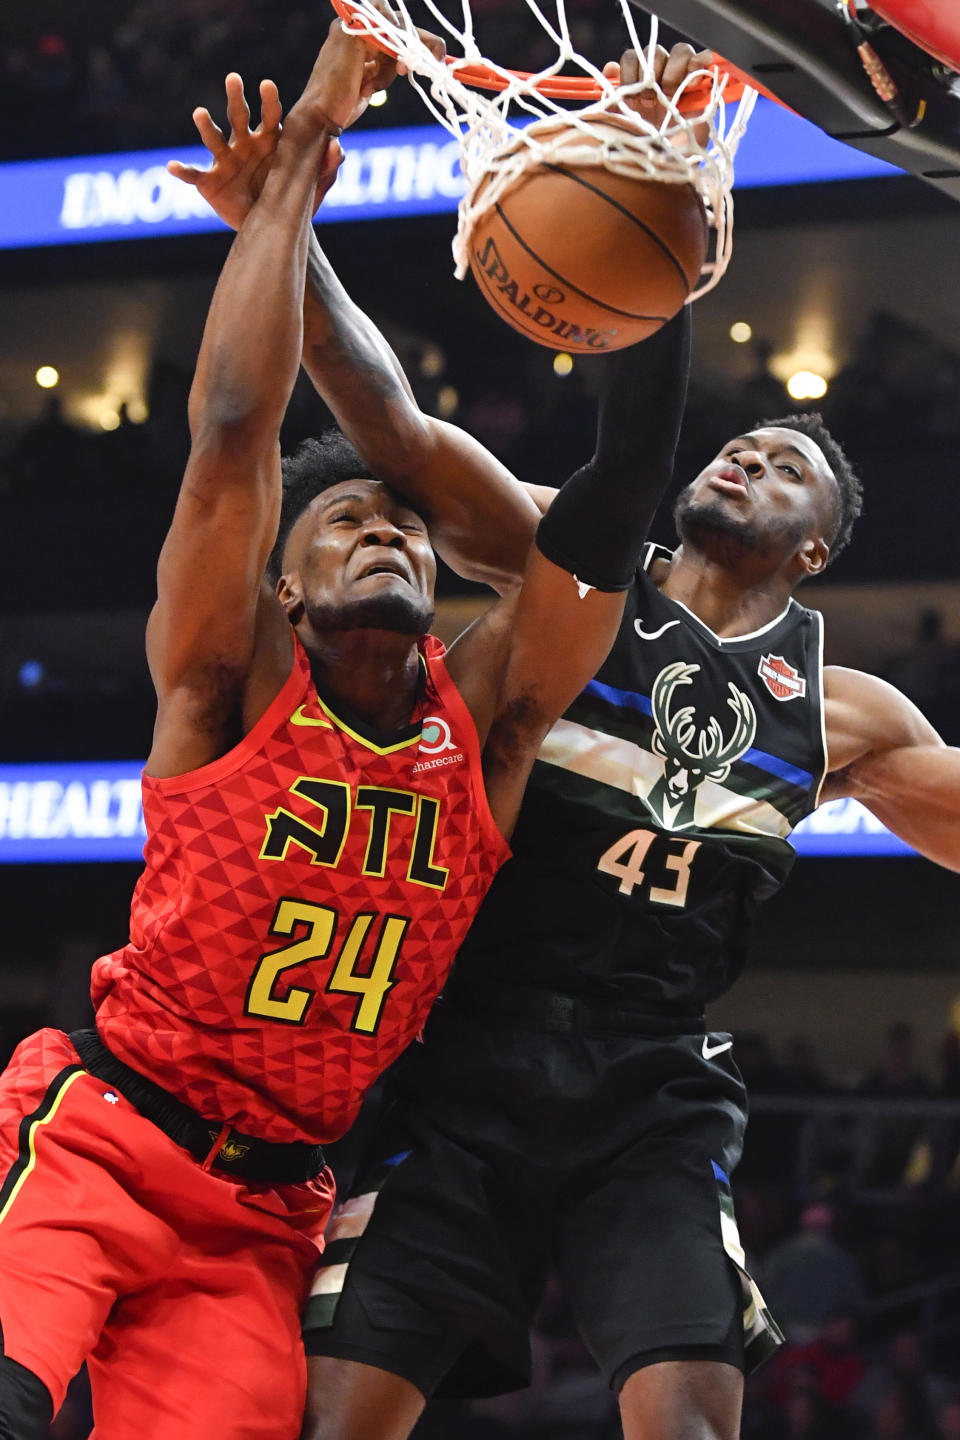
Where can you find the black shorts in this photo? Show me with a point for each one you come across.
(511, 1151)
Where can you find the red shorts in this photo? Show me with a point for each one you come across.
(181, 1289)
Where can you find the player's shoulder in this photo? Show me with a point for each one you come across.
(865, 713)
(858, 687)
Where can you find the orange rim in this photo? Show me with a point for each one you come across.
(571, 87)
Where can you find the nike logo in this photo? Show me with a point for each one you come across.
(298, 718)
(708, 1051)
(653, 634)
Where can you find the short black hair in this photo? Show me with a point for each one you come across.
(849, 487)
(315, 466)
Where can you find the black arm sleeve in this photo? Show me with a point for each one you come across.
(599, 520)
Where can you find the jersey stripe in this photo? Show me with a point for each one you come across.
(630, 700)
(29, 1127)
(627, 699)
(625, 765)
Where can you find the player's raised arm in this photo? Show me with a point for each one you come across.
(561, 626)
(481, 518)
(886, 754)
(205, 627)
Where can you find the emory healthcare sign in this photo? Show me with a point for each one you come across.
(132, 195)
(395, 172)
(90, 811)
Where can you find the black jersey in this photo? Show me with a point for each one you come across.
(658, 812)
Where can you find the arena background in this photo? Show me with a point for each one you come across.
(847, 1025)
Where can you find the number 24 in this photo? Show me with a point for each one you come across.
(291, 1007)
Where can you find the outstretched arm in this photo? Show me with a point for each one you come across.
(209, 617)
(886, 754)
(565, 618)
(481, 519)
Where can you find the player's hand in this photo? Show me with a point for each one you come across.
(434, 43)
(348, 70)
(240, 164)
(670, 69)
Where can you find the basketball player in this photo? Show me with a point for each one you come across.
(319, 837)
(567, 1107)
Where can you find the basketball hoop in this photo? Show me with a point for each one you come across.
(691, 144)
(481, 76)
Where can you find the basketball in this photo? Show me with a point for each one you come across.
(583, 259)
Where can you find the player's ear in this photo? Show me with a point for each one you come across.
(288, 593)
(814, 555)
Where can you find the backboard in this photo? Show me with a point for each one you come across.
(846, 67)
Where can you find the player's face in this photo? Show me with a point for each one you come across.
(770, 493)
(358, 558)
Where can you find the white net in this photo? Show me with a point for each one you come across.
(503, 135)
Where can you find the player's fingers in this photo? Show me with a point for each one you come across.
(658, 63)
(238, 111)
(189, 174)
(384, 71)
(330, 164)
(209, 131)
(634, 70)
(271, 111)
(611, 72)
(434, 43)
(677, 67)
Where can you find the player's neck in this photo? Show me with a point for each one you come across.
(730, 602)
(375, 673)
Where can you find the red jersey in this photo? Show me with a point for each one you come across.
(303, 899)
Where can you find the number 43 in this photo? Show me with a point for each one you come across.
(624, 860)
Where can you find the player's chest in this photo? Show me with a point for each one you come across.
(318, 800)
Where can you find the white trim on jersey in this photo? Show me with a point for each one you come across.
(823, 709)
(734, 639)
(658, 552)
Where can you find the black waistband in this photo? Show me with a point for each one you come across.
(564, 1014)
(244, 1157)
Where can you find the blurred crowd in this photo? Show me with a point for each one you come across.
(113, 490)
(133, 79)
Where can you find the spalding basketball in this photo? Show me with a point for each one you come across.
(583, 259)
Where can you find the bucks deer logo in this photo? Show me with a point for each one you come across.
(691, 752)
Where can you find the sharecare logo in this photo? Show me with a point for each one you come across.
(435, 736)
(437, 763)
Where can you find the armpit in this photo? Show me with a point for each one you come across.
(516, 730)
(839, 785)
